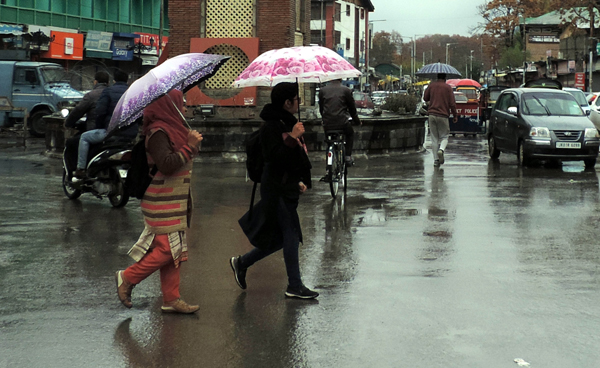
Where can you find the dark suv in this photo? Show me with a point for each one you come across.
(542, 123)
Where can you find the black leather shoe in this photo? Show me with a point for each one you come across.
(238, 272)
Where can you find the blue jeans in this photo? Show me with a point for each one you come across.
(291, 242)
(87, 138)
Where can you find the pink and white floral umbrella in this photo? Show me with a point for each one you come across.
(303, 64)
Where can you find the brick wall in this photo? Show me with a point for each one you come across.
(184, 19)
(275, 25)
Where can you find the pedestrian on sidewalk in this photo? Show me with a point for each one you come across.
(286, 175)
(166, 205)
(441, 104)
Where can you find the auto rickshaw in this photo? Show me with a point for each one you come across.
(467, 96)
(490, 95)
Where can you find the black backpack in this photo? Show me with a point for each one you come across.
(254, 158)
(139, 176)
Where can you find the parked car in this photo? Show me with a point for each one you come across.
(542, 123)
(593, 101)
(580, 97)
(362, 100)
(39, 87)
(378, 97)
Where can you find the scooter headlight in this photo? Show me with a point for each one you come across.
(64, 113)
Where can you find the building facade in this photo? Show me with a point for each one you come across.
(242, 29)
(343, 26)
(85, 36)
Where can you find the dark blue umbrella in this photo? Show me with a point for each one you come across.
(432, 70)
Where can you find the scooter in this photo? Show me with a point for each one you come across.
(106, 171)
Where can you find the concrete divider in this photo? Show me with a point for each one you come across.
(224, 140)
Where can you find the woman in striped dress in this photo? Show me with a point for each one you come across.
(166, 205)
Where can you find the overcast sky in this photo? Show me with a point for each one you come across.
(425, 17)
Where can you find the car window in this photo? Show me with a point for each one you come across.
(25, 76)
(357, 96)
(506, 100)
(460, 97)
(550, 104)
(579, 96)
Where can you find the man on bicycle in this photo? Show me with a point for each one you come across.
(337, 106)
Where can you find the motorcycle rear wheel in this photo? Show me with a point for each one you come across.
(119, 198)
(70, 192)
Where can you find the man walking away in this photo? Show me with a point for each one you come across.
(440, 98)
(337, 106)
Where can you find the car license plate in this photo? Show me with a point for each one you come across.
(123, 173)
(568, 145)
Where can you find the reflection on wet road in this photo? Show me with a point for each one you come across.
(475, 263)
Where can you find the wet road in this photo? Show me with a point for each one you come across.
(474, 264)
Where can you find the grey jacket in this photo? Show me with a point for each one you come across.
(87, 106)
(336, 105)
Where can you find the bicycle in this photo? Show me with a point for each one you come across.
(336, 169)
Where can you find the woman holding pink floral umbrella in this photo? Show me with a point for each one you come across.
(301, 64)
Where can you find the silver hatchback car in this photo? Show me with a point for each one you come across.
(542, 123)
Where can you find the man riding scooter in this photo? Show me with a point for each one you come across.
(104, 109)
(87, 107)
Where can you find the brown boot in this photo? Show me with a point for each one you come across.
(124, 289)
(179, 306)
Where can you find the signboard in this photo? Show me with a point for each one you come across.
(580, 80)
(69, 45)
(544, 39)
(65, 45)
(151, 42)
(123, 45)
(98, 41)
(571, 65)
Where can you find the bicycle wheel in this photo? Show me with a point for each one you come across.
(334, 184)
(343, 167)
(345, 177)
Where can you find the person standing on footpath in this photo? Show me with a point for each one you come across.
(286, 175)
(441, 105)
(337, 106)
(166, 205)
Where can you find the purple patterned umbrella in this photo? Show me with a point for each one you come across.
(180, 72)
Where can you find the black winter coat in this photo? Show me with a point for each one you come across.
(286, 165)
(87, 107)
(107, 102)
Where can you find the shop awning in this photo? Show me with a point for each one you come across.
(11, 29)
(98, 54)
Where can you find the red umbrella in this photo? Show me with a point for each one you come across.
(463, 82)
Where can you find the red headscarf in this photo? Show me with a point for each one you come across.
(161, 114)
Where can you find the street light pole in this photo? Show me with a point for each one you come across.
(471, 76)
(448, 44)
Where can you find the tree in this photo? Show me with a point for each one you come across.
(382, 50)
(575, 12)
